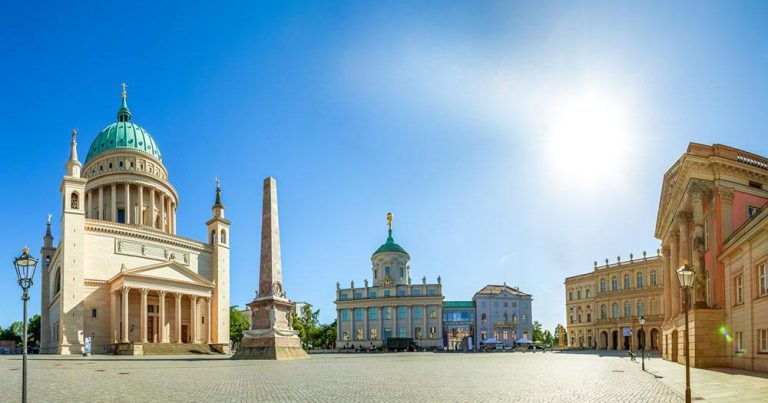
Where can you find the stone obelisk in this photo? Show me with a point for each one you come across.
(271, 336)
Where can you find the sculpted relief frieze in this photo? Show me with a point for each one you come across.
(140, 249)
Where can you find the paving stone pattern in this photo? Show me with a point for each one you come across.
(424, 377)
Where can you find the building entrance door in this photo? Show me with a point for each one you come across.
(387, 335)
(151, 329)
(184, 334)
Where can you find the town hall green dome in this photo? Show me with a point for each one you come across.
(390, 246)
(123, 135)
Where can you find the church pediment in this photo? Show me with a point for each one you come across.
(167, 271)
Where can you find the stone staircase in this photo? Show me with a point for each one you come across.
(177, 349)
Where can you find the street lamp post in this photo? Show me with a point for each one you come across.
(642, 329)
(685, 276)
(25, 266)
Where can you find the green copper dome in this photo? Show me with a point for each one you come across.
(390, 246)
(123, 135)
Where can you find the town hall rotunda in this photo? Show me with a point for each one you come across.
(120, 279)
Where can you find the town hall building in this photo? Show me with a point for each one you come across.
(120, 279)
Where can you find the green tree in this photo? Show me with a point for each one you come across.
(538, 335)
(549, 340)
(306, 324)
(33, 331)
(238, 323)
(13, 332)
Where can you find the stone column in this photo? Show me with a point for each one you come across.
(124, 306)
(193, 318)
(173, 217)
(726, 210)
(128, 203)
(410, 322)
(90, 204)
(674, 264)
(394, 321)
(424, 330)
(682, 223)
(100, 214)
(339, 330)
(152, 208)
(208, 320)
(143, 327)
(366, 331)
(667, 280)
(162, 212)
(697, 253)
(178, 317)
(113, 316)
(114, 203)
(161, 327)
(380, 329)
(140, 214)
(353, 332)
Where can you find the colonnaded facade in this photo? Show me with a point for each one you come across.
(120, 276)
(390, 307)
(603, 306)
(712, 214)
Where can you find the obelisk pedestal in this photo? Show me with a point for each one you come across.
(271, 336)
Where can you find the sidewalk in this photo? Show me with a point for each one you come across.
(713, 384)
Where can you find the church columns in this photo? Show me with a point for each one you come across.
(89, 213)
(151, 216)
(114, 203)
(178, 317)
(124, 306)
(128, 203)
(208, 320)
(193, 319)
(140, 214)
(100, 207)
(143, 326)
(173, 218)
(115, 328)
(163, 336)
(162, 212)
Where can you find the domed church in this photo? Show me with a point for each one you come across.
(121, 280)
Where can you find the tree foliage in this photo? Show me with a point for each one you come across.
(238, 323)
(538, 335)
(313, 335)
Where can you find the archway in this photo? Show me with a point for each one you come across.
(654, 339)
(675, 342)
(604, 340)
(615, 340)
(641, 339)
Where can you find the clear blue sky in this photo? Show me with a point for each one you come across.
(513, 143)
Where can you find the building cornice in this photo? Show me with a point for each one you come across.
(146, 233)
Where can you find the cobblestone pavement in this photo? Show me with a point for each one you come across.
(529, 377)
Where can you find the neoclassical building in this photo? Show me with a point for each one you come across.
(712, 214)
(391, 306)
(503, 313)
(603, 306)
(120, 275)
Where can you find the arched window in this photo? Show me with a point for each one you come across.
(602, 285)
(586, 293)
(483, 317)
(223, 236)
(640, 308)
(57, 283)
(627, 309)
(615, 310)
(74, 201)
(213, 237)
(653, 277)
(614, 284)
(626, 281)
(639, 279)
(603, 313)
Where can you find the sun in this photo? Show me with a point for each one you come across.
(588, 139)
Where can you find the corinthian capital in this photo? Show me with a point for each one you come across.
(725, 193)
(683, 218)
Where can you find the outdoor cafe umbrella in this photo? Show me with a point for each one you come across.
(490, 341)
(523, 340)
